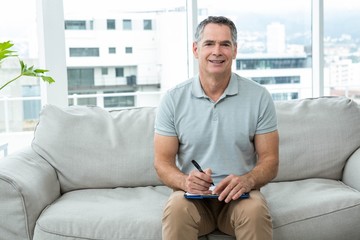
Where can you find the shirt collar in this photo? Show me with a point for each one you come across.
(232, 88)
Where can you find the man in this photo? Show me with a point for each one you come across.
(228, 125)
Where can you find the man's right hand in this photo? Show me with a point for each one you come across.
(198, 182)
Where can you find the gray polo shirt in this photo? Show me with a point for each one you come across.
(218, 135)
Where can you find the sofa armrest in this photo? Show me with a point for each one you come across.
(27, 185)
(351, 176)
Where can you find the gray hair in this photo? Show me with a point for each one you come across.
(217, 20)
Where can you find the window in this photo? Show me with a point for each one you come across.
(31, 107)
(131, 80)
(104, 71)
(75, 25)
(111, 24)
(277, 80)
(147, 24)
(119, 72)
(78, 99)
(118, 101)
(127, 25)
(84, 52)
(275, 63)
(81, 78)
(128, 50)
(17, 111)
(342, 48)
(112, 50)
(285, 96)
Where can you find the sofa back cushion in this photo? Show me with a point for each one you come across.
(92, 148)
(317, 136)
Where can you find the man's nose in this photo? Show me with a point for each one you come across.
(217, 49)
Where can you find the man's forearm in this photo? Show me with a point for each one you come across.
(171, 176)
(262, 174)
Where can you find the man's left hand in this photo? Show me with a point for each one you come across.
(232, 187)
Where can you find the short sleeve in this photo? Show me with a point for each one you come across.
(267, 120)
(164, 121)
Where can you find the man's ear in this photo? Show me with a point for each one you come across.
(235, 52)
(195, 50)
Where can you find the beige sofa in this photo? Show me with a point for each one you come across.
(89, 175)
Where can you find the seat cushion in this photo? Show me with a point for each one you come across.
(112, 214)
(301, 210)
(308, 209)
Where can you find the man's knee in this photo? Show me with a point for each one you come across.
(254, 209)
(180, 218)
(178, 208)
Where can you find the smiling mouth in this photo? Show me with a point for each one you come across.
(217, 61)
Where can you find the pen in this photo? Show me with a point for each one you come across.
(199, 168)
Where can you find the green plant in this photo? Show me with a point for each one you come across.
(6, 52)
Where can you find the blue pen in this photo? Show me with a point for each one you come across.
(199, 168)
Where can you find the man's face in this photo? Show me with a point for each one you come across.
(215, 51)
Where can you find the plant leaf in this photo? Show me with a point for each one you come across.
(5, 51)
(5, 45)
(48, 79)
(23, 65)
(41, 70)
(29, 71)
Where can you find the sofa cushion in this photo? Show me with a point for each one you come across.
(92, 148)
(300, 210)
(317, 136)
(306, 209)
(120, 213)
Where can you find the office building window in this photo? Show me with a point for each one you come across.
(104, 71)
(112, 50)
(31, 108)
(131, 80)
(83, 101)
(119, 72)
(342, 48)
(119, 101)
(75, 25)
(111, 24)
(84, 52)
(128, 50)
(277, 80)
(78, 78)
(127, 24)
(281, 63)
(147, 24)
(285, 96)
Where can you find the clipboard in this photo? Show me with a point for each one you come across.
(205, 196)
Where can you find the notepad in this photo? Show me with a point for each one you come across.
(204, 196)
